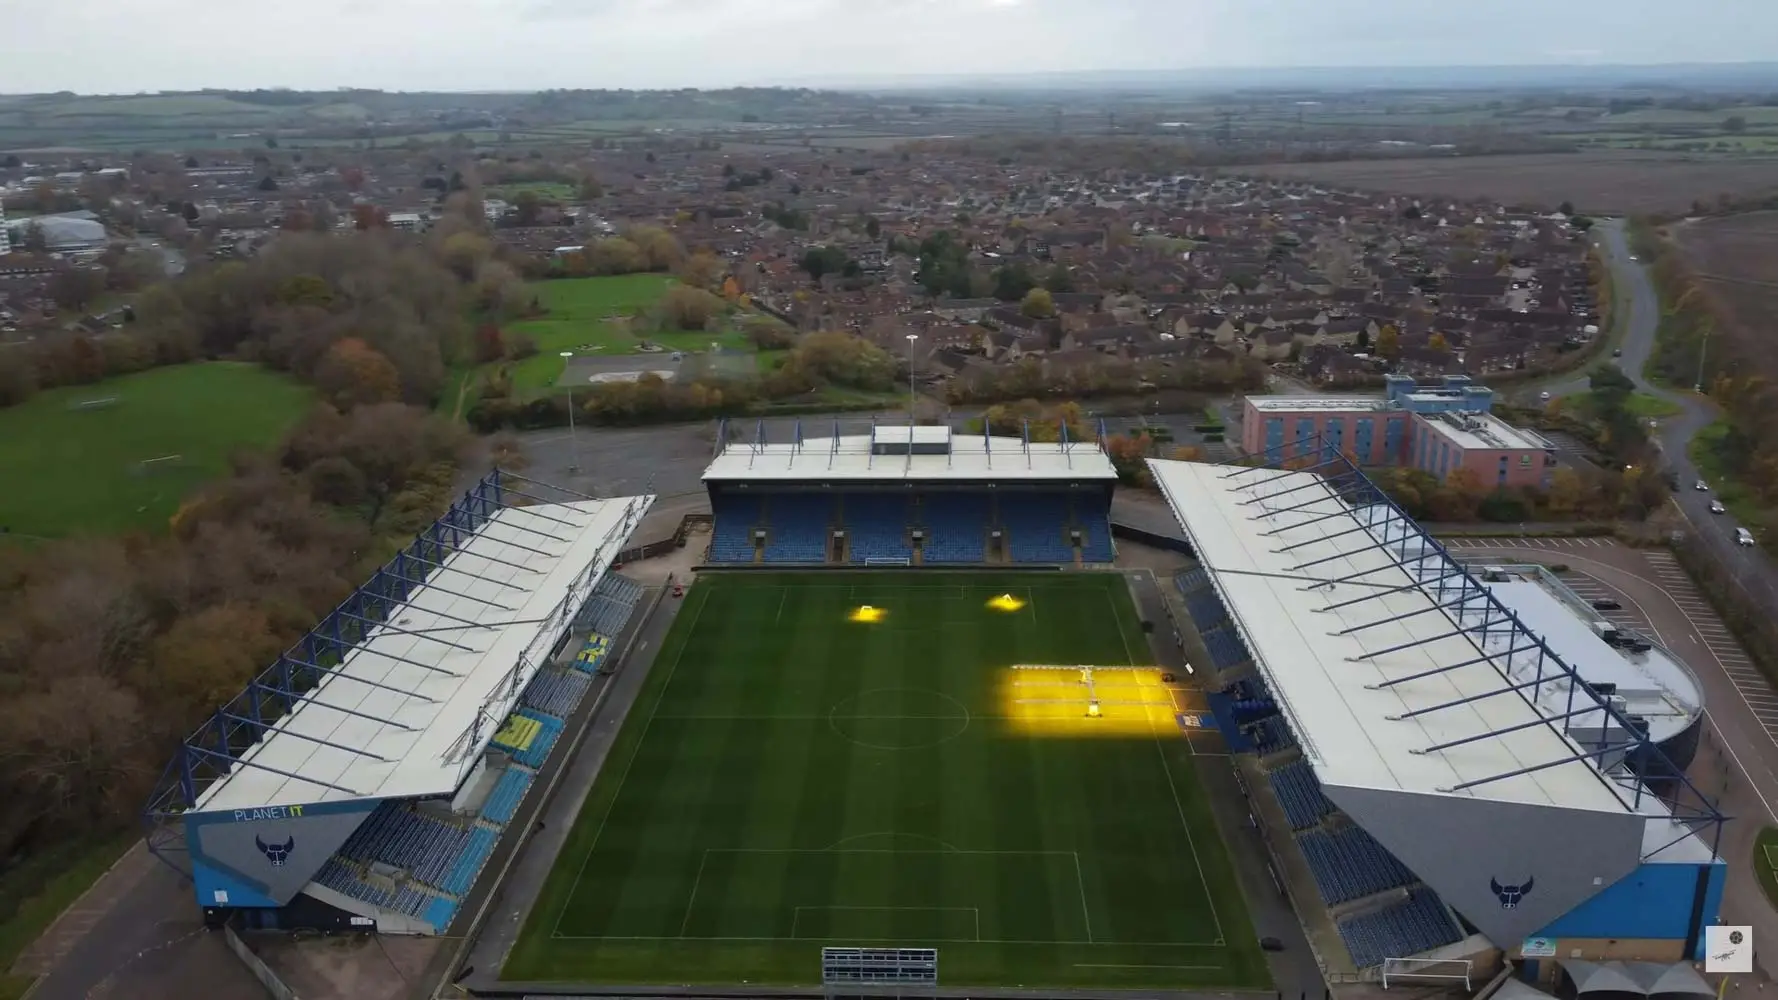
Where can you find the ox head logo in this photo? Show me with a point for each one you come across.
(277, 854)
(1511, 895)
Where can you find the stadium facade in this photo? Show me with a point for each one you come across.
(363, 779)
(910, 495)
(1451, 783)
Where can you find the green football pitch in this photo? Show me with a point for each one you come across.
(795, 775)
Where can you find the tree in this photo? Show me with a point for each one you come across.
(268, 183)
(526, 207)
(1012, 282)
(1038, 304)
(686, 308)
(873, 228)
(702, 270)
(1389, 342)
(1734, 124)
(353, 373)
(660, 251)
(1128, 454)
(490, 343)
(34, 239)
(366, 216)
(75, 288)
(1566, 208)
(1438, 343)
(822, 260)
(1059, 279)
(591, 189)
(768, 334)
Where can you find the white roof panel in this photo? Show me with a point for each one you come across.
(850, 458)
(1282, 550)
(398, 717)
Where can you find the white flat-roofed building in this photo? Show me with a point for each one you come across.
(1451, 734)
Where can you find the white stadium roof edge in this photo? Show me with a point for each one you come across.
(964, 457)
(1387, 683)
(409, 710)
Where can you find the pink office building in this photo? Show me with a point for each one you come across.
(1436, 428)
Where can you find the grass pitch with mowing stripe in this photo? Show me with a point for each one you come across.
(790, 779)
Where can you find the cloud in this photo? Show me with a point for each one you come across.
(133, 45)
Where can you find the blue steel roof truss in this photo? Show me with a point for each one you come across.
(1690, 807)
(221, 744)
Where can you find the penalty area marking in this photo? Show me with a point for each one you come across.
(797, 915)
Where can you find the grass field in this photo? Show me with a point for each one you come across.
(790, 778)
(77, 471)
(577, 321)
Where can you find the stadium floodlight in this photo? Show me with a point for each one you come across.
(573, 443)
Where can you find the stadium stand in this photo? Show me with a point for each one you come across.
(282, 795)
(1206, 611)
(1299, 794)
(1225, 648)
(797, 528)
(556, 692)
(877, 527)
(504, 800)
(1419, 923)
(1349, 864)
(734, 518)
(1271, 735)
(1034, 525)
(1192, 580)
(882, 487)
(956, 527)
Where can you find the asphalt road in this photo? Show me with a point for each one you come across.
(1749, 564)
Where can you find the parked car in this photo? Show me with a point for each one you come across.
(1607, 604)
(1617, 352)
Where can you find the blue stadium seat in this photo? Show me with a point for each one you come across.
(1418, 923)
(1036, 527)
(534, 755)
(1270, 735)
(956, 526)
(1349, 864)
(877, 527)
(1299, 794)
(734, 517)
(398, 835)
(439, 912)
(1206, 609)
(1226, 649)
(1094, 517)
(556, 692)
(468, 864)
(798, 526)
(1192, 580)
(504, 800)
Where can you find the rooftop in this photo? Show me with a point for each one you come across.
(1484, 431)
(969, 457)
(1392, 671)
(408, 710)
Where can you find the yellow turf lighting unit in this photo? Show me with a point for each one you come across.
(1082, 700)
(867, 614)
(1006, 603)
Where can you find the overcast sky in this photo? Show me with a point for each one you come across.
(123, 46)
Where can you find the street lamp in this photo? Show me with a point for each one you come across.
(911, 338)
(573, 444)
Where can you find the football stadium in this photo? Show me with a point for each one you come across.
(909, 729)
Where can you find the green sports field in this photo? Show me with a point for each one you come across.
(791, 777)
(122, 454)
